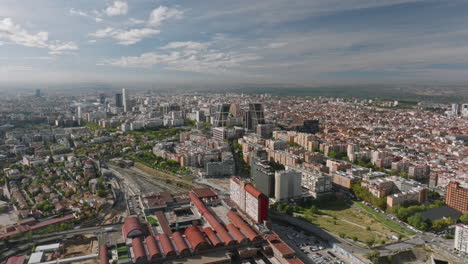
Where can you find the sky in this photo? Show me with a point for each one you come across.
(301, 42)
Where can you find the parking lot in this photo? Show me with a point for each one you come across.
(311, 247)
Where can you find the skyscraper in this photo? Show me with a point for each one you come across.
(38, 92)
(124, 100)
(222, 115)
(254, 116)
(118, 100)
(79, 112)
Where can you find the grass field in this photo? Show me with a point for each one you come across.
(385, 221)
(351, 220)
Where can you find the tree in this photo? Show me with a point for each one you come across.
(464, 218)
(442, 224)
(417, 221)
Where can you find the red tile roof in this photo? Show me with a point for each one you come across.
(295, 261)
(239, 223)
(215, 241)
(223, 234)
(236, 233)
(138, 249)
(280, 246)
(253, 191)
(163, 222)
(132, 226)
(166, 245)
(16, 260)
(195, 237)
(180, 243)
(204, 193)
(103, 254)
(153, 248)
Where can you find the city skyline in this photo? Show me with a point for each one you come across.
(178, 42)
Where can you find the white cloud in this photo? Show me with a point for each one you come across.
(16, 34)
(117, 8)
(136, 21)
(186, 56)
(189, 45)
(162, 13)
(132, 36)
(76, 12)
(125, 37)
(275, 45)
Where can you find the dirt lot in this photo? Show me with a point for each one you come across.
(80, 246)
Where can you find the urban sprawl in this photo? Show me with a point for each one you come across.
(187, 177)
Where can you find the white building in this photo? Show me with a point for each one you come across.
(317, 183)
(461, 238)
(287, 184)
(124, 100)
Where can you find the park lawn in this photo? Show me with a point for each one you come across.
(385, 221)
(352, 222)
(152, 220)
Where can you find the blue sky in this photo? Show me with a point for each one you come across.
(302, 42)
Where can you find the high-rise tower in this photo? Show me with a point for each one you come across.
(124, 100)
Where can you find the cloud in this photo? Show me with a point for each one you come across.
(186, 56)
(125, 37)
(188, 45)
(132, 36)
(275, 45)
(162, 13)
(16, 34)
(76, 12)
(117, 8)
(136, 21)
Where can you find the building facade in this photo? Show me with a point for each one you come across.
(456, 196)
(460, 242)
(287, 185)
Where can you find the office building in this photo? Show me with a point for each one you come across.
(254, 116)
(118, 100)
(38, 92)
(222, 115)
(287, 184)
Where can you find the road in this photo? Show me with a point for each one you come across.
(441, 245)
